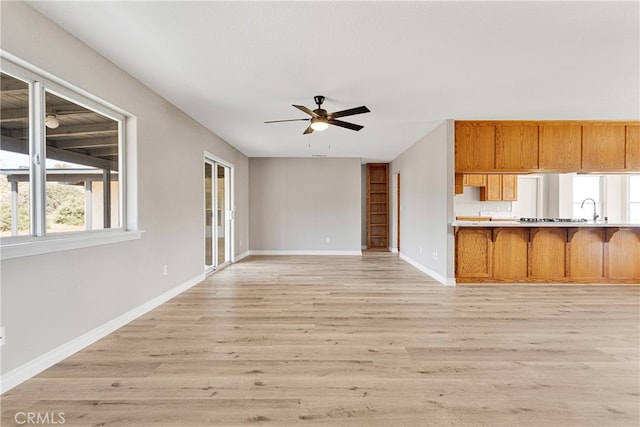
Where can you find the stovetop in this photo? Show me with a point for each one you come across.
(553, 220)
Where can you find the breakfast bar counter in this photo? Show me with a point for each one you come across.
(547, 251)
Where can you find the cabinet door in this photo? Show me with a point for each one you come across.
(510, 187)
(622, 251)
(510, 253)
(493, 190)
(476, 180)
(560, 147)
(516, 147)
(475, 148)
(633, 148)
(473, 252)
(603, 147)
(585, 253)
(547, 252)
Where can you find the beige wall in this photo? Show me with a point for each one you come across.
(426, 203)
(49, 300)
(297, 203)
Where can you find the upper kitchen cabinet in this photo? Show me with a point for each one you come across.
(499, 187)
(474, 147)
(632, 161)
(603, 147)
(560, 147)
(516, 147)
(499, 147)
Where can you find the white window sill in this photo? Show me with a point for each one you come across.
(28, 246)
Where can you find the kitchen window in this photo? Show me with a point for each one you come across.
(634, 199)
(61, 164)
(587, 187)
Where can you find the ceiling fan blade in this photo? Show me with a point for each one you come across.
(308, 130)
(306, 110)
(350, 112)
(347, 125)
(289, 120)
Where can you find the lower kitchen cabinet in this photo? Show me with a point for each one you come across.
(493, 254)
(621, 245)
(510, 248)
(585, 252)
(473, 253)
(547, 257)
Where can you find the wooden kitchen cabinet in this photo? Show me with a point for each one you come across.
(547, 253)
(603, 147)
(500, 187)
(474, 180)
(500, 146)
(632, 155)
(510, 253)
(516, 147)
(474, 147)
(493, 190)
(510, 187)
(473, 252)
(560, 147)
(622, 245)
(585, 253)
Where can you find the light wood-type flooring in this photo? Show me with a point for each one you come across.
(355, 341)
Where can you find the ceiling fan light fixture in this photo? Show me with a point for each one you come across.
(51, 121)
(319, 123)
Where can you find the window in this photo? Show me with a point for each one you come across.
(61, 162)
(81, 183)
(587, 187)
(15, 185)
(634, 199)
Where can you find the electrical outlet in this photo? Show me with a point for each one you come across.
(2, 336)
(327, 239)
(435, 255)
(165, 270)
(420, 249)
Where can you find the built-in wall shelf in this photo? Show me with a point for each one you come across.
(378, 206)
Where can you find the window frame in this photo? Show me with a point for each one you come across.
(38, 241)
(601, 205)
(629, 201)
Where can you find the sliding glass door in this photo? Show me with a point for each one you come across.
(217, 197)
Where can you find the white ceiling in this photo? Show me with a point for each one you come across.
(233, 65)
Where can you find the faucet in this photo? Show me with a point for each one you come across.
(595, 215)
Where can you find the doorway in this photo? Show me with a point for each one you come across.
(217, 215)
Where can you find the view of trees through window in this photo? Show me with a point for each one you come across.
(65, 207)
(79, 182)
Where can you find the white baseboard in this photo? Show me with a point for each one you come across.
(393, 250)
(39, 364)
(241, 256)
(444, 280)
(363, 247)
(270, 252)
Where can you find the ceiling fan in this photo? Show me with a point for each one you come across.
(321, 119)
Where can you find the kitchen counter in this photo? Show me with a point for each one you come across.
(516, 223)
(547, 252)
